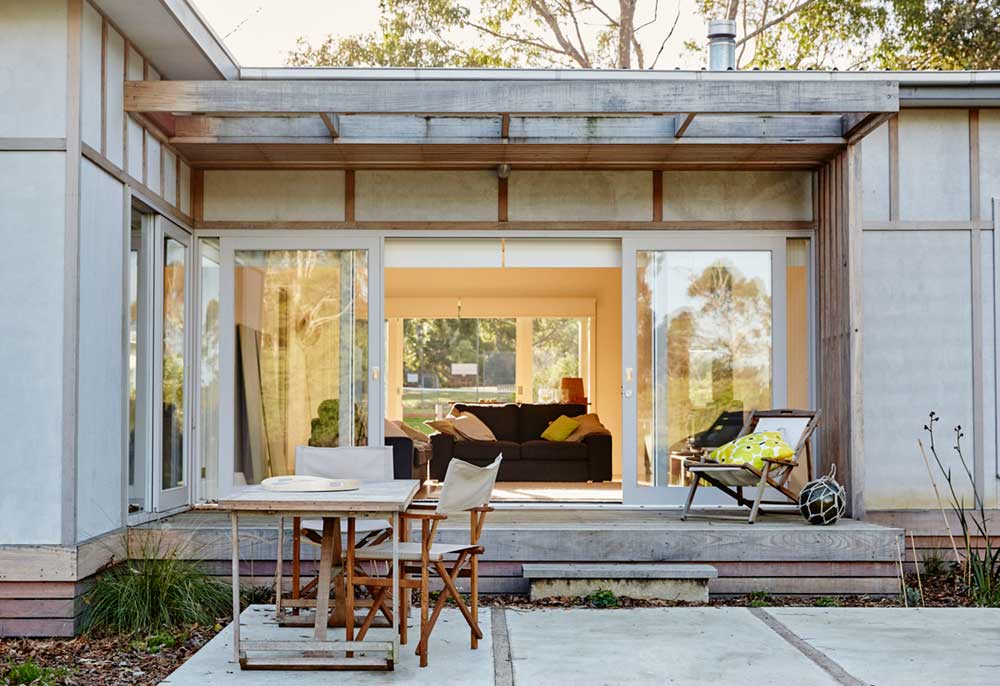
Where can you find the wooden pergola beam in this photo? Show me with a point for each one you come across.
(368, 128)
(332, 123)
(683, 122)
(543, 97)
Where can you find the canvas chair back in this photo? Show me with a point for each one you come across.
(467, 486)
(367, 463)
(796, 428)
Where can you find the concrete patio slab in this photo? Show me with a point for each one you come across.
(450, 657)
(654, 646)
(885, 646)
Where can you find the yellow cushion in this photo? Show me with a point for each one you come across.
(752, 449)
(560, 429)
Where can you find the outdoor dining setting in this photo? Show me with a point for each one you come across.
(345, 501)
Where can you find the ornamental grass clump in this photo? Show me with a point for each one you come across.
(980, 562)
(156, 590)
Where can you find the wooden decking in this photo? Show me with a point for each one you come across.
(780, 554)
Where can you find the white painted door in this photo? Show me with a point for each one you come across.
(301, 349)
(703, 335)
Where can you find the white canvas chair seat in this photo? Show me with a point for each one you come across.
(411, 552)
(796, 428)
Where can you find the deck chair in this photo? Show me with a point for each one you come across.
(466, 488)
(364, 463)
(796, 428)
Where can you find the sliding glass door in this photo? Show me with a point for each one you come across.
(704, 342)
(300, 364)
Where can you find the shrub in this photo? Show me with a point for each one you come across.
(256, 595)
(759, 599)
(827, 601)
(31, 673)
(154, 593)
(602, 598)
(981, 567)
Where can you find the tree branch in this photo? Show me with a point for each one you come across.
(659, 52)
(777, 20)
(545, 12)
(517, 39)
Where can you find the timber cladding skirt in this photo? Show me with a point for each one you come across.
(42, 608)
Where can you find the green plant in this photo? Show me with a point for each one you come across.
(602, 598)
(981, 566)
(912, 596)
(827, 601)
(759, 599)
(936, 566)
(158, 642)
(31, 673)
(256, 595)
(154, 591)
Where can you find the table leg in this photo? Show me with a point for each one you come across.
(323, 586)
(337, 616)
(395, 587)
(349, 585)
(235, 542)
(279, 568)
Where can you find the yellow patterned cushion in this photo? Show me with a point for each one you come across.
(752, 449)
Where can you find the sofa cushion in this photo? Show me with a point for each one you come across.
(502, 419)
(532, 420)
(484, 452)
(552, 450)
(472, 427)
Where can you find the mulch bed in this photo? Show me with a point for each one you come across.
(118, 662)
(102, 661)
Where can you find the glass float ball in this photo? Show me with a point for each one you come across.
(823, 501)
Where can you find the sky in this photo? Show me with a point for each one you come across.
(261, 32)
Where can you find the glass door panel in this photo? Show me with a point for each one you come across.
(298, 354)
(170, 416)
(707, 348)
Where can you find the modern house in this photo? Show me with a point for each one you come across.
(205, 265)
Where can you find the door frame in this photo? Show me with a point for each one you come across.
(693, 241)
(171, 498)
(229, 243)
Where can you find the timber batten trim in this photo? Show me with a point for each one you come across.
(520, 97)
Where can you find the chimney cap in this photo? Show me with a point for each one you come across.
(722, 28)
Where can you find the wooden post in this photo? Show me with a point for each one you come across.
(235, 542)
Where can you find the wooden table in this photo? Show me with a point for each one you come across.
(374, 499)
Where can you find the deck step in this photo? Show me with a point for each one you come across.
(640, 581)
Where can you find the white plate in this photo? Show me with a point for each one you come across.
(308, 484)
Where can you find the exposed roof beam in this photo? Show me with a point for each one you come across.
(368, 128)
(332, 123)
(683, 122)
(857, 126)
(522, 97)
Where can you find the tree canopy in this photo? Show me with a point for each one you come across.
(635, 34)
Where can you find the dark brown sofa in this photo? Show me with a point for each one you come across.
(526, 456)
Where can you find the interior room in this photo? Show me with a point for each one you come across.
(525, 331)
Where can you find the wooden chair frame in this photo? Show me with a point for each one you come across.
(733, 478)
(417, 575)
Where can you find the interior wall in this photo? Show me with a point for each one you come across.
(32, 231)
(100, 423)
(601, 284)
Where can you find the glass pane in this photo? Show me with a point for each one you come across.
(456, 360)
(301, 355)
(704, 352)
(208, 379)
(174, 256)
(137, 484)
(555, 355)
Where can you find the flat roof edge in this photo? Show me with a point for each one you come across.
(201, 32)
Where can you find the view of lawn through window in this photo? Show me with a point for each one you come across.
(449, 360)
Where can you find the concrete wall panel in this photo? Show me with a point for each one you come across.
(933, 165)
(169, 176)
(917, 359)
(33, 68)
(115, 95)
(134, 135)
(989, 160)
(154, 180)
(32, 230)
(991, 491)
(100, 425)
(274, 196)
(426, 196)
(90, 85)
(875, 174)
(581, 195)
(737, 196)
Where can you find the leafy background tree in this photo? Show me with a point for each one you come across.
(636, 34)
